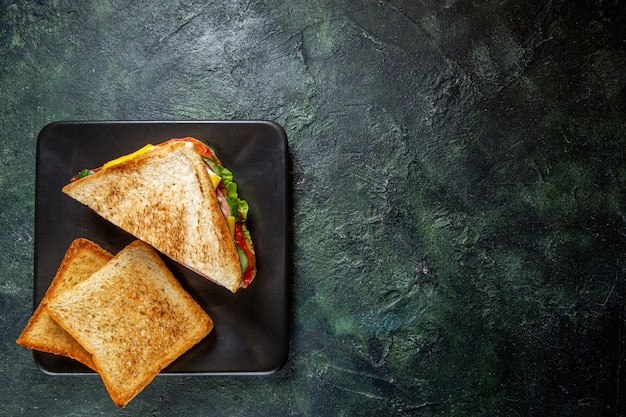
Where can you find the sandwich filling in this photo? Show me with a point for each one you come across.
(234, 209)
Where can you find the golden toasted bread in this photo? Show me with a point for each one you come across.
(133, 317)
(42, 333)
(165, 197)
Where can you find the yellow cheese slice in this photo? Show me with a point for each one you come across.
(129, 156)
(231, 225)
(214, 178)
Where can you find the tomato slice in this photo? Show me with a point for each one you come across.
(240, 239)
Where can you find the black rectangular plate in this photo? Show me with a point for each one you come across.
(251, 327)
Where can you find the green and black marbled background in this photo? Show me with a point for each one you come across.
(458, 192)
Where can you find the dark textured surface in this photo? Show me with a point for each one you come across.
(459, 197)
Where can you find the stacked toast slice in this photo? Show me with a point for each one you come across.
(125, 316)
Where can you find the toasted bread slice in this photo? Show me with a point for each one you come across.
(134, 317)
(42, 333)
(165, 197)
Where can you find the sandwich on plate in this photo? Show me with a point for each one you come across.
(179, 198)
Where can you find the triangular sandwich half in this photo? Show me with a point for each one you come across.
(169, 197)
(134, 317)
(42, 333)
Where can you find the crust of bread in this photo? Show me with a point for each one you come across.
(134, 317)
(42, 333)
(165, 198)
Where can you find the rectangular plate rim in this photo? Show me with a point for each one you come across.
(279, 130)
